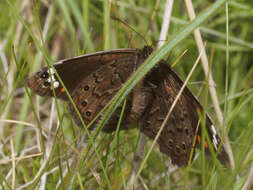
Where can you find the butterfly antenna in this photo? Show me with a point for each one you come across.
(123, 22)
(152, 17)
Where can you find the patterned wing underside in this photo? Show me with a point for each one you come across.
(177, 136)
(72, 71)
(96, 90)
(176, 139)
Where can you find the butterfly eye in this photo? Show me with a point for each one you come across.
(45, 75)
(86, 87)
(88, 113)
(84, 103)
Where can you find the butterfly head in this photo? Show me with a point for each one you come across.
(146, 51)
(43, 82)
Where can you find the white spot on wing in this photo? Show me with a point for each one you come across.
(215, 142)
(213, 129)
(52, 78)
(56, 84)
(51, 71)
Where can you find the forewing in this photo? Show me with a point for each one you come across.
(72, 71)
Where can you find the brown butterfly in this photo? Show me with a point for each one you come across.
(93, 80)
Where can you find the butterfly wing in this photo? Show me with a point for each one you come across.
(92, 80)
(96, 90)
(176, 139)
(72, 71)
